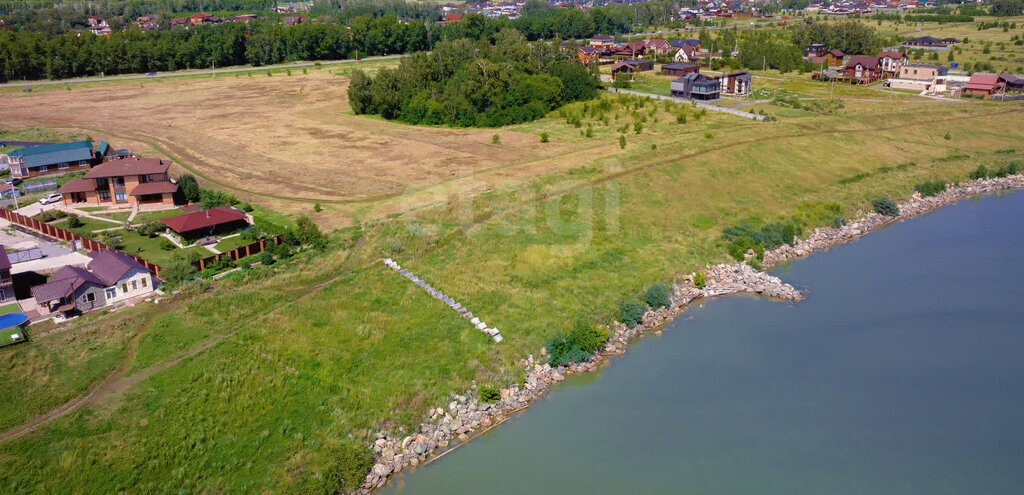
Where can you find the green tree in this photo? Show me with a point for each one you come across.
(189, 188)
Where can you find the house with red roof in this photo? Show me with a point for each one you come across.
(983, 85)
(207, 222)
(863, 67)
(130, 180)
(109, 278)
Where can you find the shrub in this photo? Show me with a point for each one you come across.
(681, 118)
(708, 135)
(744, 237)
(167, 245)
(582, 341)
(266, 259)
(930, 187)
(495, 139)
(149, 229)
(317, 208)
(622, 142)
(51, 215)
(947, 137)
(590, 131)
(1013, 168)
(73, 221)
(980, 173)
(885, 206)
(657, 297)
(544, 137)
(488, 393)
(630, 313)
(700, 279)
(838, 222)
(638, 127)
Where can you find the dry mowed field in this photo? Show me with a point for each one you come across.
(286, 141)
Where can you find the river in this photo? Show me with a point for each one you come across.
(901, 373)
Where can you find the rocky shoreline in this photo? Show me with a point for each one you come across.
(449, 425)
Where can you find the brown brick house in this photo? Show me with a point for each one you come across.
(131, 180)
(863, 67)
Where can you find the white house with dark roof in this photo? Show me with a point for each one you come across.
(110, 277)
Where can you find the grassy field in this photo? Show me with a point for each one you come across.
(1003, 54)
(285, 369)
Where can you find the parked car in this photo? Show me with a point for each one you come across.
(14, 181)
(50, 198)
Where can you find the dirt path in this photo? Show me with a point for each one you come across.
(117, 381)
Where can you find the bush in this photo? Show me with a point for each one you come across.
(657, 297)
(177, 271)
(885, 206)
(167, 245)
(51, 215)
(979, 173)
(73, 221)
(544, 137)
(681, 118)
(630, 313)
(744, 237)
(622, 142)
(488, 394)
(317, 208)
(149, 229)
(266, 259)
(700, 279)
(582, 341)
(930, 187)
(1013, 168)
(495, 139)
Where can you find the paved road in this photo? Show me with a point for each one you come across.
(198, 72)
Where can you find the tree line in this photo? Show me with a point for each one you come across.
(473, 83)
(31, 54)
(57, 18)
(852, 37)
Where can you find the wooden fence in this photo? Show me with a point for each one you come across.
(237, 253)
(71, 237)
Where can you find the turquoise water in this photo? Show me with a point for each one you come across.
(901, 373)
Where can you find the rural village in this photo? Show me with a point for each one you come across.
(294, 244)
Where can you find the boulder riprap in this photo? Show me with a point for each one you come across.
(465, 415)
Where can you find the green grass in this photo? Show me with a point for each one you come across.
(120, 216)
(10, 308)
(263, 409)
(88, 227)
(231, 243)
(155, 216)
(148, 248)
(91, 209)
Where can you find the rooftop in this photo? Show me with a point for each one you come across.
(205, 218)
(128, 166)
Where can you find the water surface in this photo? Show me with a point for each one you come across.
(902, 373)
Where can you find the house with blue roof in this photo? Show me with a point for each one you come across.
(49, 159)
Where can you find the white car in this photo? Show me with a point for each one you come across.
(50, 198)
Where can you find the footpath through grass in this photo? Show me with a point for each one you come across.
(286, 402)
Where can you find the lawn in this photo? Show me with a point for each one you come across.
(231, 243)
(120, 216)
(91, 209)
(88, 227)
(10, 308)
(149, 248)
(155, 216)
(326, 351)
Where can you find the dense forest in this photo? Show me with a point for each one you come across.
(475, 83)
(853, 38)
(32, 54)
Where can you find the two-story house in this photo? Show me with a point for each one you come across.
(919, 77)
(110, 277)
(892, 62)
(130, 180)
(696, 86)
(49, 159)
(863, 67)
